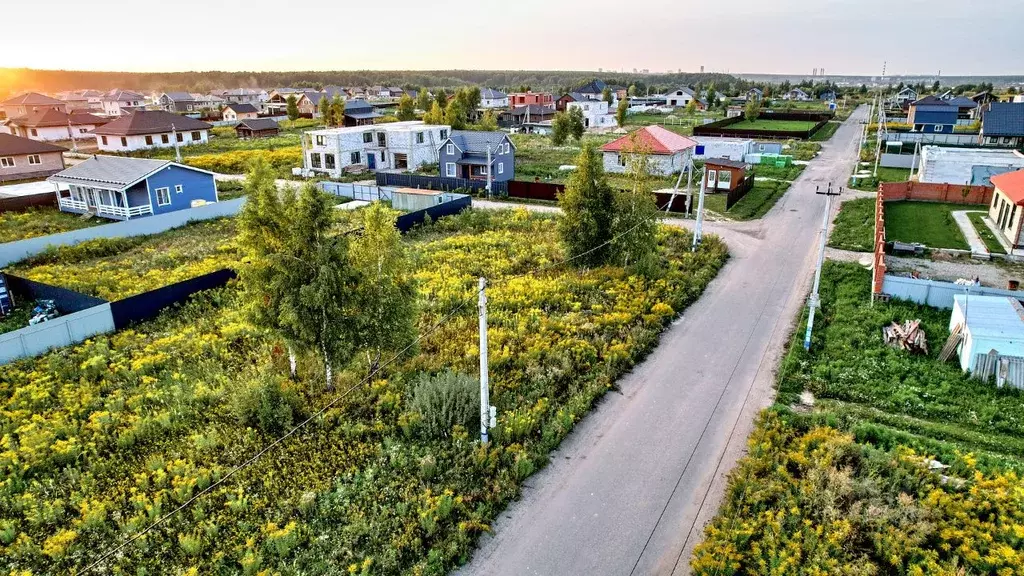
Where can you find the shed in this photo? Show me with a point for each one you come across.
(987, 323)
(724, 175)
(256, 128)
(413, 199)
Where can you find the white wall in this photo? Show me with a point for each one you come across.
(595, 112)
(494, 102)
(730, 148)
(400, 139)
(678, 99)
(61, 331)
(138, 142)
(956, 165)
(661, 164)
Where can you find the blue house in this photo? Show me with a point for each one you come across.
(122, 188)
(464, 155)
(932, 116)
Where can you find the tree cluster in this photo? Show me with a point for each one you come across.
(567, 124)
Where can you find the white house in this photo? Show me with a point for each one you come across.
(151, 129)
(907, 94)
(236, 112)
(975, 166)
(797, 95)
(490, 98)
(987, 323)
(680, 97)
(668, 152)
(728, 148)
(121, 102)
(595, 113)
(52, 125)
(392, 146)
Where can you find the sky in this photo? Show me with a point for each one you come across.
(958, 37)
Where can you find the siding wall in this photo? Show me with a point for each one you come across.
(52, 162)
(663, 165)
(139, 142)
(194, 186)
(61, 331)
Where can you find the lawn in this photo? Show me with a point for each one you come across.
(826, 132)
(870, 183)
(769, 124)
(928, 223)
(986, 234)
(845, 486)
(854, 228)
(41, 222)
(103, 437)
(537, 157)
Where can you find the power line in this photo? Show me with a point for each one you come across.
(252, 459)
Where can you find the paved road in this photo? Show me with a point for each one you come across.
(630, 489)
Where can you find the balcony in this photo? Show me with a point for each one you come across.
(121, 212)
(71, 205)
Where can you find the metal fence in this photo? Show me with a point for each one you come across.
(62, 331)
(407, 222)
(935, 293)
(1007, 370)
(737, 193)
(899, 161)
(149, 304)
(356, 191)
(930, 138)
(438, 183)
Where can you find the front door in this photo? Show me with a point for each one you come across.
(712, 180)
(371, 160)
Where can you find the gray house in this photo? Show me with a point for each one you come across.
(464, 155)
(179, 102)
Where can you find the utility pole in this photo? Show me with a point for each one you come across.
(488, 414)
(177, 151)
(488, 171)
(813, 302)
(878, 135)
(698, 232)
(71, 132)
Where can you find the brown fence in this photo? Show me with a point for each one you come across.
(955, 193)
(20, 203)
(724, 128)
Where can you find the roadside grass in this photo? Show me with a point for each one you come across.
(986, 234)
(870, 183)
(928, 223)
(788, 173)
(758, 201)
(36, 222)
(854, 228)
(826, 132)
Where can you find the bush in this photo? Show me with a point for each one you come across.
(445, 400)
(266, 404)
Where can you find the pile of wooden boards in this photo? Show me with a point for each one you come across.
(907, 336)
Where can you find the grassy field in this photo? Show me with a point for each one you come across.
(847, 483)
(826, 132)
(986, 234)
(854, 228)
(769, 124)
(928, 223)
(105, 436)
(870, 183)
(41, 222)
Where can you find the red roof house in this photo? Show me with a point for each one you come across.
(1007, 208)
(669, 152)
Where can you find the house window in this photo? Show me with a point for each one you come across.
(449, 169)
(7, 162)
(177, 188)
(724, 178)
(179, 136)
(1013, 214)
(449, 149)
(314, 160)
(83, 130)
(104, 138)
(164, 139)
(163, 196)
(34, 160)
(444, 134)
(508, 147)
(196, 136)
(419, 137)
(319, 140)
(938, 127)
(188, 107)
(367, 137)
(124, 142)
(1007, 140)
(355, 158)
(501, 167)
(34, 132)
(329, 161)
(622, 160)
(149, 140)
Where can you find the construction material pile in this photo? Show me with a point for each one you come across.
(907, 336)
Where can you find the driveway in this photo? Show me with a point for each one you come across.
(629, 491)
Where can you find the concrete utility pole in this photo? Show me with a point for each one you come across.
(71, 132)
(698, 228)
(813, 301)
(488, 414)
(489, 171)
(177, 151)
(878, 135)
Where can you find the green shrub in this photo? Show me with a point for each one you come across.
(266, 404)
(444, 400)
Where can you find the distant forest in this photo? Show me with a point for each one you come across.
(17, 80)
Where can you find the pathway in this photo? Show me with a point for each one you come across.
(978, 246)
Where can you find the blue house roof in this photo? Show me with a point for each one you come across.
(1003, 119)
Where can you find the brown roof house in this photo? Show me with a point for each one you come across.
(724, 175)
(256, 128)
(21, 158)
(30, 102)
(51, 125)
(150, 129)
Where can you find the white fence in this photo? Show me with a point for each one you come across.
(20, 249)
(357, 191)
(935, 293)
(61, 331)
(899, 160)
(926, 138)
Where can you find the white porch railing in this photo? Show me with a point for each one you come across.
(122, 212)
(72, 204)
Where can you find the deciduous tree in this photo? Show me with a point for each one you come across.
(292, 108)
(560, 129)
(576, 127)
(621, 111)
(752, 110)
(635, 242)
(455, 114)
(606, 95)
(423, 100)
(324, 106)
(435, 115)
(588, 205)
(406, 108)
(488, 121)
(337, 111)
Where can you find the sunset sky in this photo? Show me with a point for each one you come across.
(784, 36)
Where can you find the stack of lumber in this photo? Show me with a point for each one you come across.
(907, 336)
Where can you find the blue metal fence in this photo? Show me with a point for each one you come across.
(406, 222)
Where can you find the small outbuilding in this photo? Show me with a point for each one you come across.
(257, 128)
(724, 175)
(987, 324)
(413, 199)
